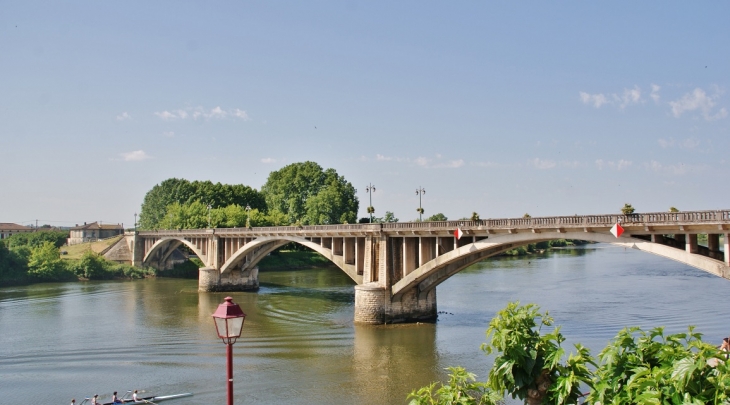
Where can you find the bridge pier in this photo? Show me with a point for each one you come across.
(210, 279)
(374, 306)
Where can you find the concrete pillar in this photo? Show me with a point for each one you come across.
(412, 306)
(370, 303)
(713, 242)
(410, 255)
(691, 243)
(360, 255)
(208, 279)
(137, 250)
(726, 248)
(658, 239)
(348, 253)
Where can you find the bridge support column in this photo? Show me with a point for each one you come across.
(691, 243)
(726, 248)
(374, 306)
(137, 250)
(209, 279)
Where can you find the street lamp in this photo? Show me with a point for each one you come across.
(370, 189)
(248, 216)
(209, 207)
(420, 192)
(135, 222)
(228, 324)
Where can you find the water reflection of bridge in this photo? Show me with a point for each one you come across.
(397, 266)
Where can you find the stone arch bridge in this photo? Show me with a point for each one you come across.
(397, 266)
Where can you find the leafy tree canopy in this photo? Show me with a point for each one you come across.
(437, 217)
(308, 195)
(627, 209)
(182, 192)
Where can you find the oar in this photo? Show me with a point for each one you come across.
(149, 402)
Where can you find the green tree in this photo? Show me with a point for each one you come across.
(526, 216)
(627, 209)
(35, 239)
(437, 217)
(290, 189)
(389, 217)
(462, 389)
(44, 263)
(673, 209)
(474, 216)
(183, 192)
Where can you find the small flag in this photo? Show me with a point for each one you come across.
(617, 230)
(458, 233)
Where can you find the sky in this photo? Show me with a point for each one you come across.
(499, 108)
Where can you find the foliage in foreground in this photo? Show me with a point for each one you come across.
(637, 367)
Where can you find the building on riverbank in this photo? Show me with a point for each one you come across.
(93, 232)
(8, 229)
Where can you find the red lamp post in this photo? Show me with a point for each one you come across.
(228, 323)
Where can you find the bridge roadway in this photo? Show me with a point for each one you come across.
(397, 266)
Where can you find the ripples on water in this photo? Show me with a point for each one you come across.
(59, 341)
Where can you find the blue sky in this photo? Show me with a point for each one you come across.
(501, 108)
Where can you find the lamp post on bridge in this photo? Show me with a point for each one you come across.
(370, 189)
(248, 216)
(209, 207)
(228, 324)
(420, 192)
(135, 222)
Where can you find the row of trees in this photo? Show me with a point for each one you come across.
(35, 257)
(636, 367)
(300, 193)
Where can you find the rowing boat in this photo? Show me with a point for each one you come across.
(154, 399)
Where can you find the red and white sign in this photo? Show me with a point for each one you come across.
(617, 230)
(458, 233)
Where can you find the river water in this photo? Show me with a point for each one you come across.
(73, 340)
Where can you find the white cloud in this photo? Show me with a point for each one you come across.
(166, 115)
(666, 143)
(422, 161)
(168, 134)
(698, 100)
(240, 114)
(203, 113)
(621, 164)
(268, 160)
(124, 116)
(135, 156)
(630, 96)
(655, 92)
(543, 164)
(676, 169)
(383, 158)
(596, 99)
(450, 165)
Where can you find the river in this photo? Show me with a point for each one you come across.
(299, 345)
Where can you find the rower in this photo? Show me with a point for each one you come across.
(116, 399)
(135, 398)
(95, 401)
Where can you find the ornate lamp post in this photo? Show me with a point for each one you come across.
(370, 189)
(135, 222)
(420, 192)
(228, 323)
(248, 216)
(209, 207)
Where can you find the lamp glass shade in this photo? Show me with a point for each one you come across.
(229, 319)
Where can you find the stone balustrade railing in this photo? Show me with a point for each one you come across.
(654, 218)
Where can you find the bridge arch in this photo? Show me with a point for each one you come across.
(166, 241)
(262, 246)
(432, 273)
